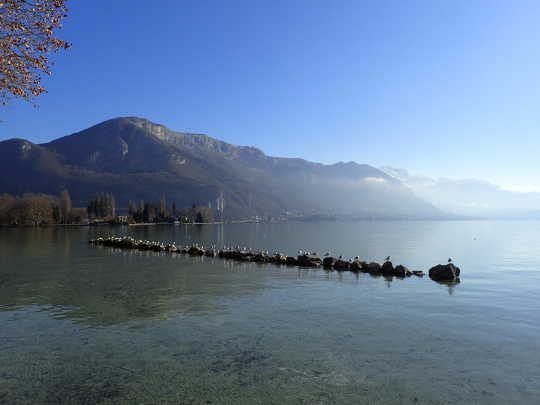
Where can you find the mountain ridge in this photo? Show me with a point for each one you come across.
(138, 159)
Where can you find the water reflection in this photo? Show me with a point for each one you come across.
(102, 286)
(55, 266)
(90, 325)
(450, 284)
(388, 281)
(60, 272)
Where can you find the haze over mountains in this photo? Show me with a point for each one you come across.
(139, 160)
(470, 197)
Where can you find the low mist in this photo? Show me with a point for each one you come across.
(470, 197)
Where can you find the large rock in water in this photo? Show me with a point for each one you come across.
(401, 271)
(356, 265)
(387, 268)
(291, 261)
(260, 258)
(444, 272)
(374, 268)
(329, 261)
(308, 261)
(280, 259)
(342, 265)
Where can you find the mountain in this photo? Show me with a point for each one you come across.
(140, 160)
(470, 197)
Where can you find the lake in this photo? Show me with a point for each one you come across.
(92, 325)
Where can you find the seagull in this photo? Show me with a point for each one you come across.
(387, 258)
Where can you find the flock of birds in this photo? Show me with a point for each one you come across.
(304, 258)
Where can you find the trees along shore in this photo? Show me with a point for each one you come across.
(35, 209)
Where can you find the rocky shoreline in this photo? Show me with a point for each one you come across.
(444, 273)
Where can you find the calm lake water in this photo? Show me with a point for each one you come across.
(93, 325)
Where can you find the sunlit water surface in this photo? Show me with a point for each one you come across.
(90, 325)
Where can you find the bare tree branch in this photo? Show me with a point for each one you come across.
(26, 40)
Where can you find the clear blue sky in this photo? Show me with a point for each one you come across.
(446, 88)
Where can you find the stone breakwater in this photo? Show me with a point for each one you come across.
(446, 273)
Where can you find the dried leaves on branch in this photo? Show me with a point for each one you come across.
(27, 29)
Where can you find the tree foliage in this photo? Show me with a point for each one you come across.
(196, 214)
(30, 209)
(102, 206)
(43, 209)
(38, 208)
(162, 207)
(65, 206)
(27, 38)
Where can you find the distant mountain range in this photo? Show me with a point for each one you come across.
(470, 197)
(139, 160)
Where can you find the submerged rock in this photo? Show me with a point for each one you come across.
(291, 261)
(210, 253)
(329, 262)
(444, 272)
(316, 259)
(308, 261)
(278, 258)
(260, 258)
(357, 265)
(401, 271)
(374, 268)
(244, 257)
(342, 265)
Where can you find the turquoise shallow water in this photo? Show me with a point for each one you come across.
(84, 325)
